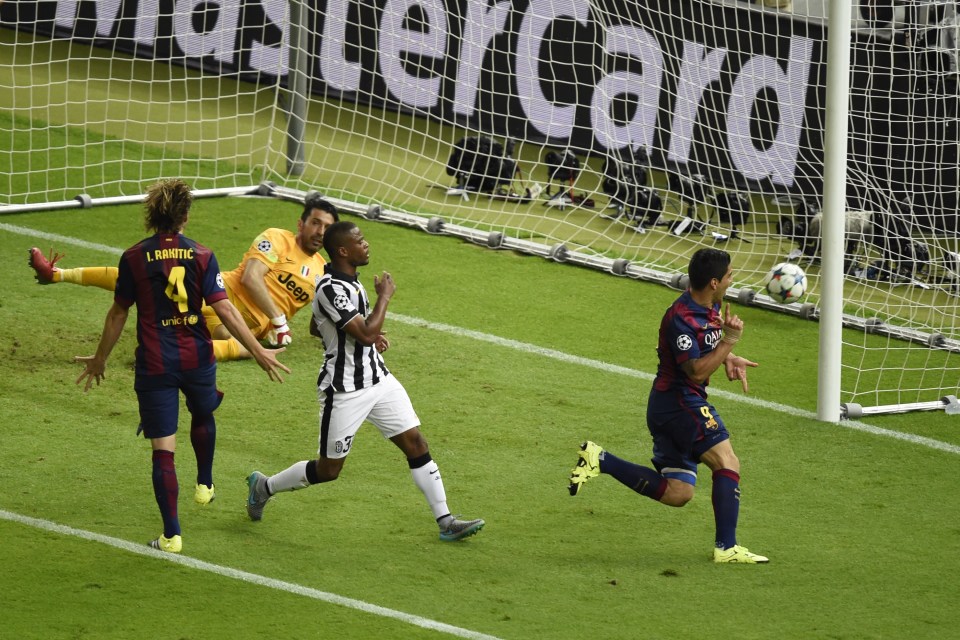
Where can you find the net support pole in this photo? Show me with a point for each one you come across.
(834, 210)
(297, 79)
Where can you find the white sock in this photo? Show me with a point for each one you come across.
(290, 479)
(428, 480)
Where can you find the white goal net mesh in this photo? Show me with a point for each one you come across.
(620, 130)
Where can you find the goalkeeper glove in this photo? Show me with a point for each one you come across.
(280, 335)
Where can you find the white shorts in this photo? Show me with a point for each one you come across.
(385, 404)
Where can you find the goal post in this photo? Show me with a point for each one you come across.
(298, 81)
(616, 134)
(834, 208)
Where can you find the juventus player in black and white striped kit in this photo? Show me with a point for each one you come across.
(354, 385)
(348, 365)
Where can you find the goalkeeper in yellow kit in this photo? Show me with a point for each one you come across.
(275, 279)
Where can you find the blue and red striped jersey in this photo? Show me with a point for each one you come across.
(168, 277)
(688, 331)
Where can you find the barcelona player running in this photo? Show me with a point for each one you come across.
(695, 341)
(169, 277)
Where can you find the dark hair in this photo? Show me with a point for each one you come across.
(707, 264)
(335, 235)
(166, 206)
(314, 201)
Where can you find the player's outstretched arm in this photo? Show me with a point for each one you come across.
(96, 365)
(254, 282)
(266, 358)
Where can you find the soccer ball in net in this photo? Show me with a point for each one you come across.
(786, 283)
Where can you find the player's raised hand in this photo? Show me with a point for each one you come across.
(384, 285)
(732, 326)
(731, 320)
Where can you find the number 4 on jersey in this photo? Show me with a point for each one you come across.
(175, 289)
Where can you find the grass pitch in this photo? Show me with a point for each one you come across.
(860, 526)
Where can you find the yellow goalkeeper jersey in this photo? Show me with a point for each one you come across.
(291, 280)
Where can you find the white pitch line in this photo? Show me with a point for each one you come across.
(56, 237)
(244, 576)
(856, 425)
(643, 375)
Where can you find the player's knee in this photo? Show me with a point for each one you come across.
(677, 494)
(417, 438)
(676, 500)
(328, 476)
(721, 457)
(412, 443)
(732, 462)
(325, 470)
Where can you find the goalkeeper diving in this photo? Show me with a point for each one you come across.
(275, 278)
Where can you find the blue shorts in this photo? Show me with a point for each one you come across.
(681, 435)
(159, 398)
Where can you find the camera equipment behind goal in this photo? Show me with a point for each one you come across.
(481, 164)
(564, 167)
(625, 174)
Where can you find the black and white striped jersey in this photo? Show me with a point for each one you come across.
(348, 365)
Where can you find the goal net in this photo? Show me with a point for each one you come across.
(618, 134)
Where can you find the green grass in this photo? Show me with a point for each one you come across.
(72, 160)
(861, 528)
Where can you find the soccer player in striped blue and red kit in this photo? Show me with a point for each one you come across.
(695, 341)
(168, 276)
